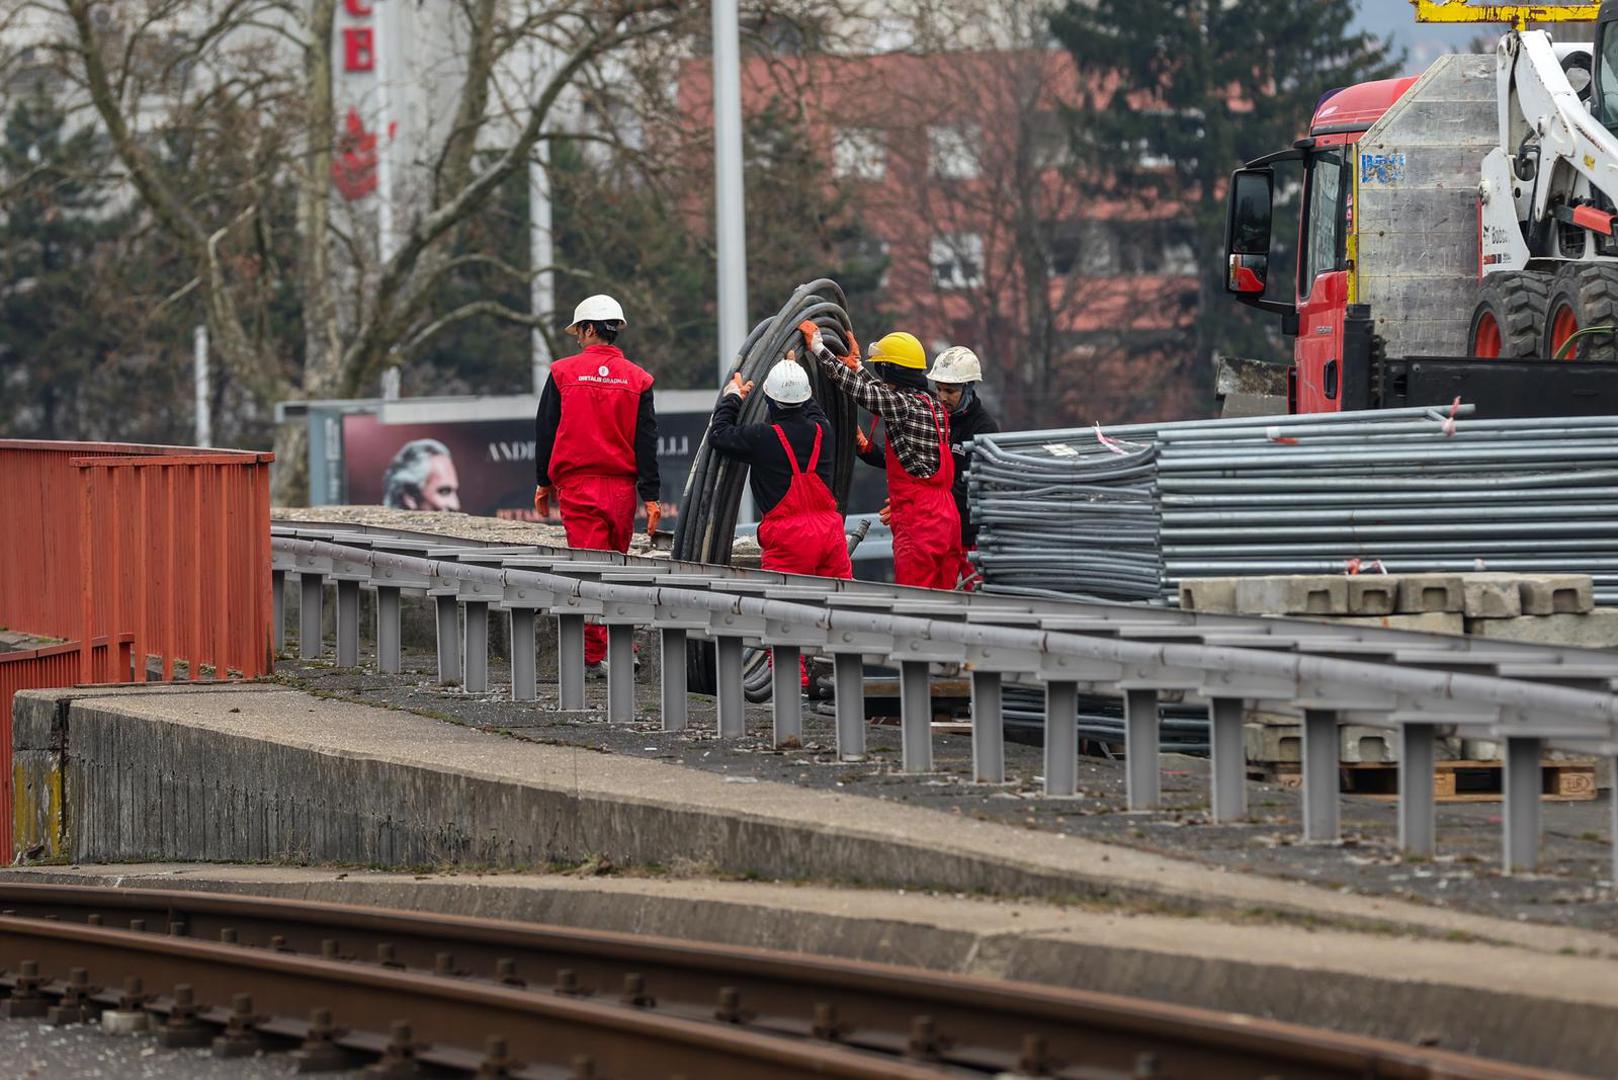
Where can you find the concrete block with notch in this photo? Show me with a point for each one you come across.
(1216, 596)
(1490, 596)
(1430, 592)
(1273, 744)
(1373, 594)
(1294, 594)
(1555, 594)
(1596, 629)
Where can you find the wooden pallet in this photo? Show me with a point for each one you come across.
(1454, 781)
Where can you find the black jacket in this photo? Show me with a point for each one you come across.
(756, 445)
(970, 422)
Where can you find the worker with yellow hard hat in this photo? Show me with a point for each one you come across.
(921, 472)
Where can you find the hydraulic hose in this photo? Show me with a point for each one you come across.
(712, 500)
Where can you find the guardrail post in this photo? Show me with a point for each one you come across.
(1141, 780)
(1417, 815)
(311, 615)
(620, 673)
(786, 695)
(524, 678)
(732, 704)
(570, 662)
(449, 639)
(1228, 760)
(1061, 738)
(348, 623)
(848, 673)
(278, 626)
(1320, 798)
(477, 646)
(675, 704)
(915, 717)
(1522, 792)
(388, 637)
(988, 729)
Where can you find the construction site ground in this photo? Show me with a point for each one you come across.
(1572, 888)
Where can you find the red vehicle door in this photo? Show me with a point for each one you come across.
(1322, 281)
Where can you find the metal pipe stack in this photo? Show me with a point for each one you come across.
(1416, 489)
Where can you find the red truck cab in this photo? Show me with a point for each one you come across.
(1324, 286)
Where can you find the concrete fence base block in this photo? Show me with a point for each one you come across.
(1373, 594)
(1430, 592)
(1490, 596)
(1299, 594)
(1212, 596)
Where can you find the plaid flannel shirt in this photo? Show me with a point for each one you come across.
(911, 430)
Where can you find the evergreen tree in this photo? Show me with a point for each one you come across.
(1177, 93)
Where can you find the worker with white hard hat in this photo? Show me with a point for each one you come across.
(953, 374)
(790, 462)
(595, 445)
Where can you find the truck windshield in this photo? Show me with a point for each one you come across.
(1325, 215)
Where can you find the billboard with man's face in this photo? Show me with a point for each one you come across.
(483, 467)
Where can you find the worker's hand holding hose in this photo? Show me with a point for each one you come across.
(886, 513)
(816, 341)
(862, 443)
(851, 359)
(542, 501)
(654, 516)
(736, 388)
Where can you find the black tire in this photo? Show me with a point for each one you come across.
(1588, 292)
(1515, 300)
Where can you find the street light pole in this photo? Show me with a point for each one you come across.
(729, 212)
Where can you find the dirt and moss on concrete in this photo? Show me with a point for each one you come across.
(1572, 887)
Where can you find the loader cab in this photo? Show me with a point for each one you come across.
(1604, 98)
(1324, 286)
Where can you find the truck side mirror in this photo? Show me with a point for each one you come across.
(1247, 231)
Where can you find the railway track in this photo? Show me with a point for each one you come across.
(340, 986)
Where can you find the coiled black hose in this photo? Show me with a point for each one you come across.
(713, 489)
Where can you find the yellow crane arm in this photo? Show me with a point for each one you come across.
(1518, 15)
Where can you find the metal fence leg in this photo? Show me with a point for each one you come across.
(311, 616)
(388, 636)
(620, 673)
(848, 671)
(278, 616)
(477, 646)
(728, 689)
(988, 729)
(786, 695)
(1320, 798)
(1418, 818)
(570, 662)
(1228, 764)
(1522, 791)
(1141, 780)
(449, 639)
(1061, 738)
(524, 678)
(348, 624)
(915, 717)
(674, 680)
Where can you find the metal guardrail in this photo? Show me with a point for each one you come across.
(1526, 696)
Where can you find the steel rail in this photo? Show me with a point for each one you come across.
(745, 1009)
(1526, 696)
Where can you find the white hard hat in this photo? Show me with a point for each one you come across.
(787, 383)
(598, 308)
(956, 364)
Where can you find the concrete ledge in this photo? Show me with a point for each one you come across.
(1554, 1011)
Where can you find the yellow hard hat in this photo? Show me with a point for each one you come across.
(901, 349)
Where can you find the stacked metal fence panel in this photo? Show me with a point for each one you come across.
(1417, 490)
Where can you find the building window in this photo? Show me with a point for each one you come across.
(958, 261)
(953, 152)
(860, 154)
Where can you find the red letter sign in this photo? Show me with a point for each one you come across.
(358, 49)
(357, 8)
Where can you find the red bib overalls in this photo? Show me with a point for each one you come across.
(926, 525)
(803, 533)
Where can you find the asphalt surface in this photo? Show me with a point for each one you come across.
(1570, 889)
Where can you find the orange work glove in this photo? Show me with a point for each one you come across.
(861, 442)
(852, 357)
(886, 513)
(654, 515)
(738, 388)
(542, 501)
(811, 336)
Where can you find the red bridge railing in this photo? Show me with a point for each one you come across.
(146, 560)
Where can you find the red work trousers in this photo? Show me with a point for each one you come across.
(598, 513)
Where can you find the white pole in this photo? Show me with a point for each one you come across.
(730, 218)
(382, 44)
(200, 377)
(541, 253)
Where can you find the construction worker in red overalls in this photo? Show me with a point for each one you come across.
(921, 471)
(789, 472)
(595, 446)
